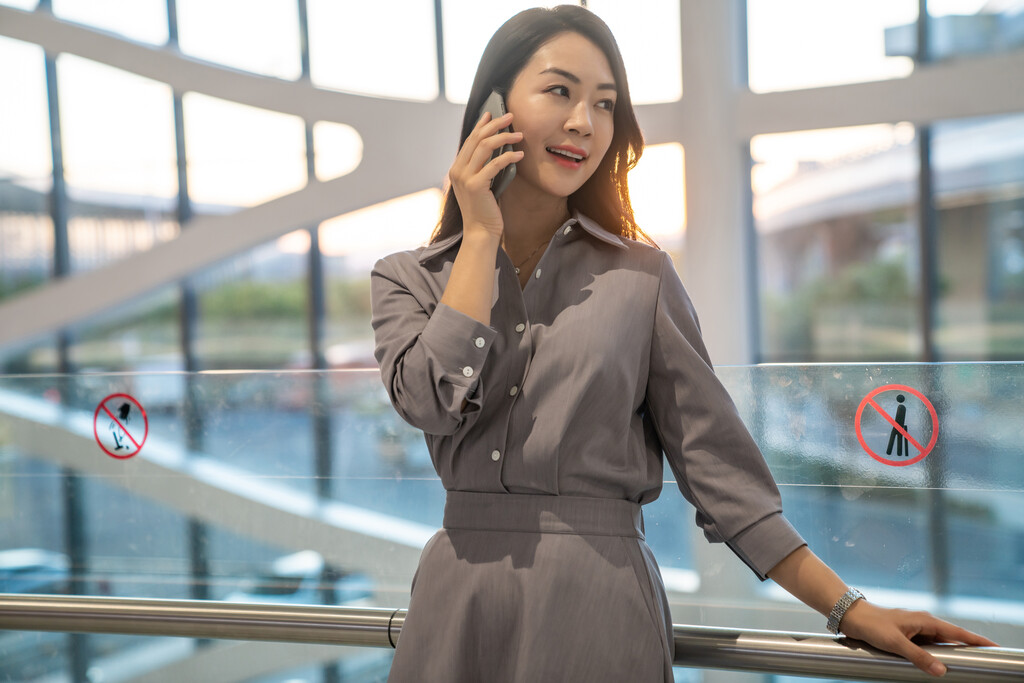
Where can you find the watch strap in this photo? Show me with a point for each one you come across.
(839, 610)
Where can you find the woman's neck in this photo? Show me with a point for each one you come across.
(529, 223)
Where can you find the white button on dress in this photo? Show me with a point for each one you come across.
(495, 455)
(520, 327)
(467, 371)
(513, 391)
(567, 230)
(537, 274)
(479, 341)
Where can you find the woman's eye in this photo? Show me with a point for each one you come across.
(607, 104)
(559, 90)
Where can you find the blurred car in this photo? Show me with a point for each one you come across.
(299, 579)
(34, 570)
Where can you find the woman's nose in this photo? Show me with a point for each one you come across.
(579, 120)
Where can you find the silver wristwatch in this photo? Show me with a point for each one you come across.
(839, 611)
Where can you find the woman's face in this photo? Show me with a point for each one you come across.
(562, 102)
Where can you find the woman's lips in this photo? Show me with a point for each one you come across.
(562, 159)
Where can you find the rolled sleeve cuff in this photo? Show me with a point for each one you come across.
(459, 343)
(764, 544)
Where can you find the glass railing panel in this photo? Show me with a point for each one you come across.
(305, 487)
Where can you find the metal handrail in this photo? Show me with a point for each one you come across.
(797, 654)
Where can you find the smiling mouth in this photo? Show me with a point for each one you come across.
(568, 155)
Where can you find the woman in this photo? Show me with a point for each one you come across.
(553, 361)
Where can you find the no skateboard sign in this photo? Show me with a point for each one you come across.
(120, 426)
(897, 425)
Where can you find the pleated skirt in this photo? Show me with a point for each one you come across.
(519, 588)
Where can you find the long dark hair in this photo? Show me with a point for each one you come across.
(605, 195)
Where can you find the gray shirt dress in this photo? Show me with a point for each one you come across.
(549, 429)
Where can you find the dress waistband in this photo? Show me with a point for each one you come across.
(544, 514)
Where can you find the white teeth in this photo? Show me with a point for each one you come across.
(574, 157)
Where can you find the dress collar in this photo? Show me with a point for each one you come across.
(589, 225)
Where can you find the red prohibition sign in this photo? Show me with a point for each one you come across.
(120, 434)
(869, 400)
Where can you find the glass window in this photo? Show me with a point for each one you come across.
(344, 34)
(795, 44)
(240, 155)
(339, 149)
(648, 36)
(119, 161)
(253, 309)
(468, 25)
(225, 169)
(142, 20)
(978, 166)
(143, 336)
(961, 28)
(835, 218)
(20, 4)
(39, 357)
(350, 245)
(657, 191)
(26, 230)
(263, 39)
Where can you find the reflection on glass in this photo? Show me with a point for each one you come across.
(240, 155)
(350, 245)
(393, 46)
(26, 229)
(142, 20)
(648, 35)
(263, 39)
(141, 337)
(252, 310)
(834, 212)
(20, 4)
(978, 166)
(795, 44)
(119, 160)
(137, 547)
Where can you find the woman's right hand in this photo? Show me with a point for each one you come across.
(473, 170)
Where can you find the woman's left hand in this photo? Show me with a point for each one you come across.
(892, 630)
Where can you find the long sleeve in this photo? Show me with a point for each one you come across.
(430, 355)
(717, 465)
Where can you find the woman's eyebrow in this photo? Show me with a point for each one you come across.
(573, 78)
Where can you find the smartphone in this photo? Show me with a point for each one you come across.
(495, 104)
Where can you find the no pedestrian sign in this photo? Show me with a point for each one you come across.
(897, 425)
(120, 426)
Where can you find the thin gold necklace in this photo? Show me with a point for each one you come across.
(532, 254)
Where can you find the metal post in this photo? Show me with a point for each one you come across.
(439, 44)
(74, 514)
(316, 308)
(195, 530)
(938, 526)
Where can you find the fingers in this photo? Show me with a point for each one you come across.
(892, 630)
(943, 631)
(918, 657)
(924, 624)
(474, 166)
